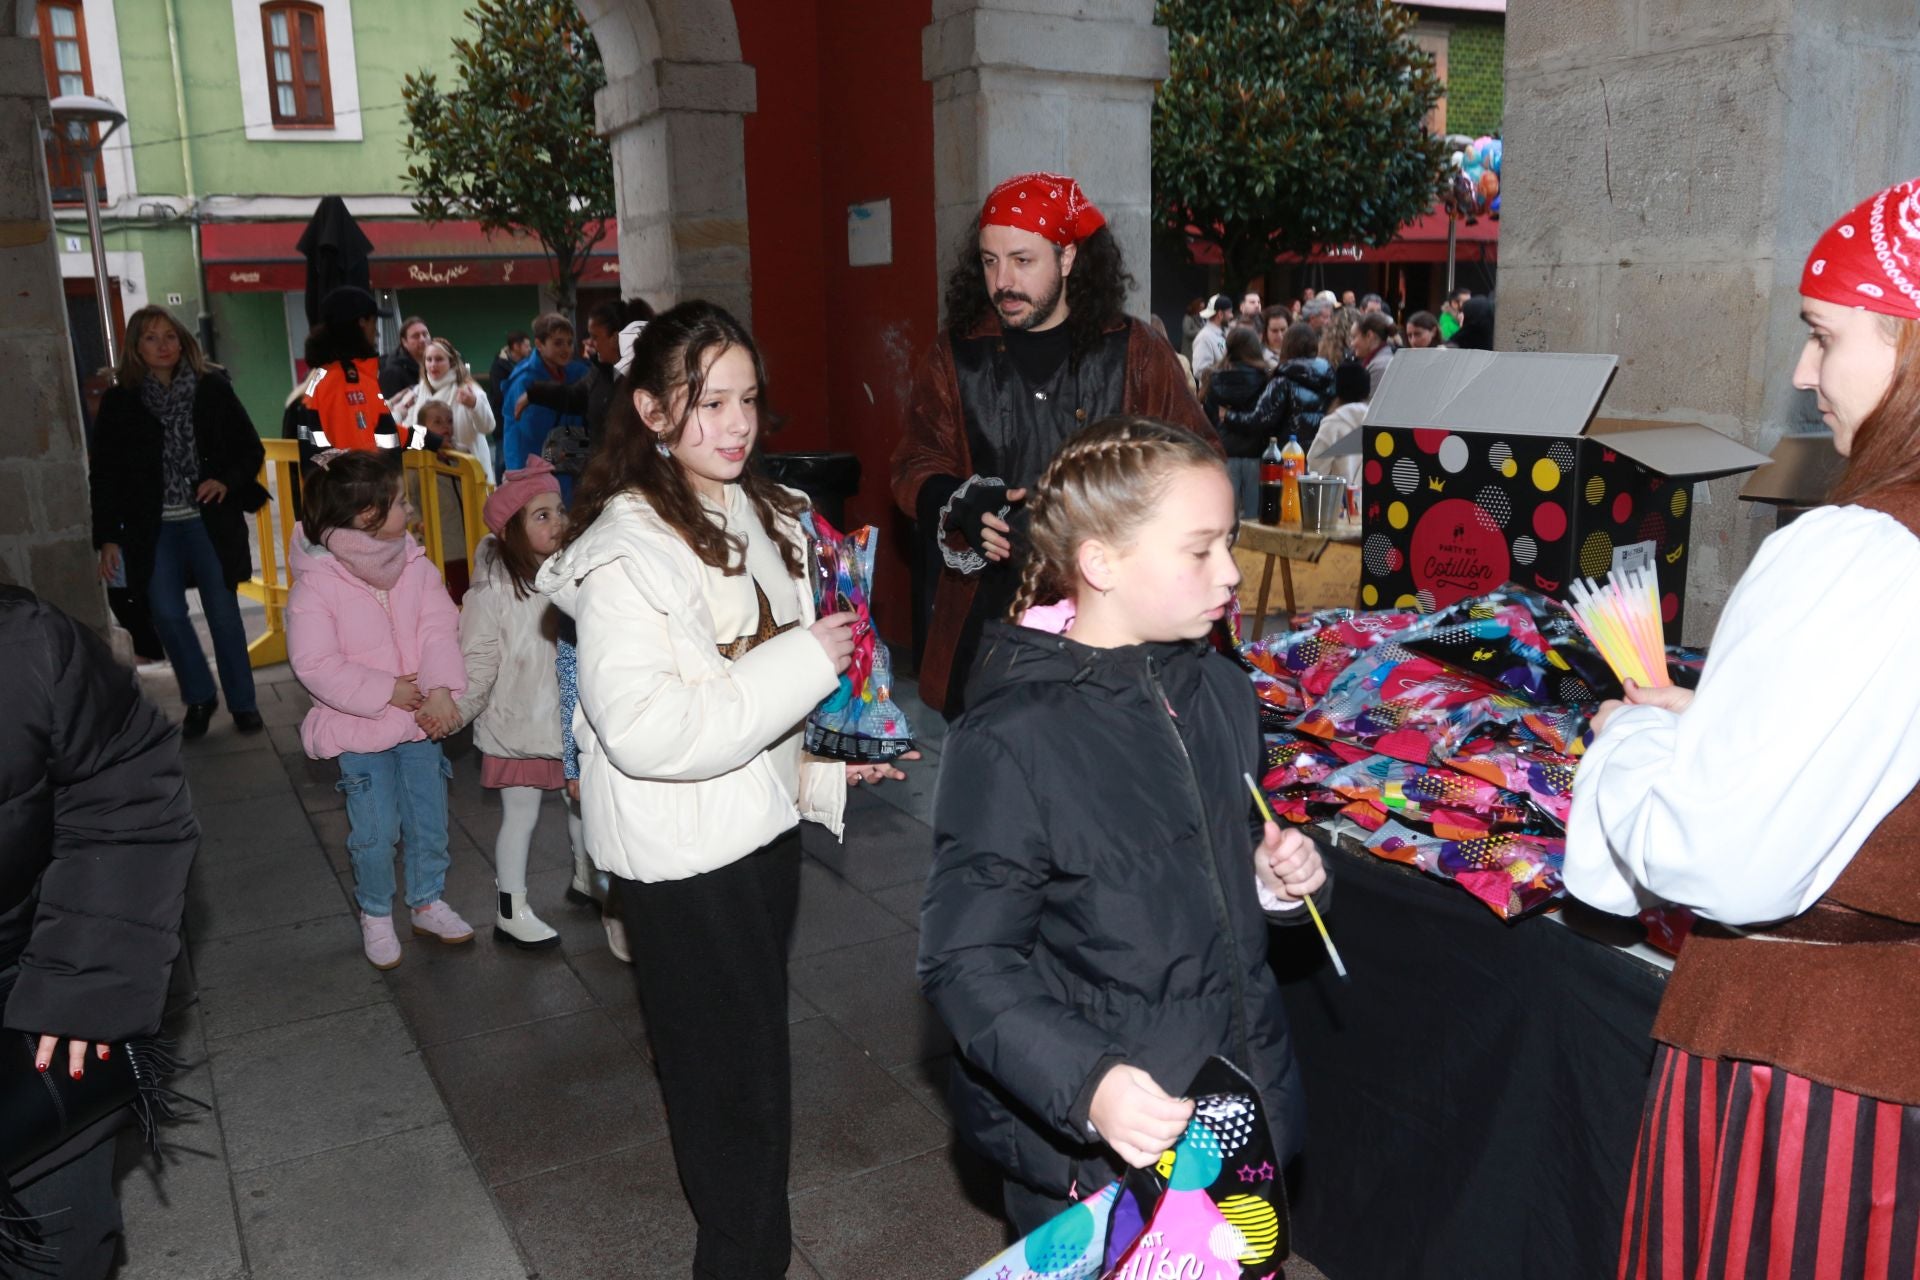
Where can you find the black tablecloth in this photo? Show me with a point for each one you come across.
(1473, 1090)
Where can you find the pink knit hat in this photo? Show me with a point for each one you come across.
(516, 490)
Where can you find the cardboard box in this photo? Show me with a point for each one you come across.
(1798, 475)
(1485, 467)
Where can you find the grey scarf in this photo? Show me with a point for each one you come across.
(172, 403)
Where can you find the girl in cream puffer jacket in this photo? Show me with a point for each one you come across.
(699, 660)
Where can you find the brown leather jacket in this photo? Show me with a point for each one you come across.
(935, 444)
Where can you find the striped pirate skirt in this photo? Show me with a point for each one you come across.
(1748, 1172)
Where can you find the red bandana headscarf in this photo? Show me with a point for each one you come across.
(1871, 258)
(1048, 204)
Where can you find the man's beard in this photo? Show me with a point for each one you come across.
(1039, 311)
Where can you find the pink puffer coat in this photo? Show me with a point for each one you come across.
(347, 650)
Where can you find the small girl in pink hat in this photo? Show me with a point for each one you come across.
(508, 634)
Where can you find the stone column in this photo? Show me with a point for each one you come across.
(672, 112)
(1668, 164)
(45, 520)
(1060, 85)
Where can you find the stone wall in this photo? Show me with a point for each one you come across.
(45, 527)
(1668, 165)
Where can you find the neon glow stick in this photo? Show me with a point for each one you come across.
(1605, 630)
(1623, 621)
(1326, 939)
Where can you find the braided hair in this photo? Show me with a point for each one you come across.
(1103, 484)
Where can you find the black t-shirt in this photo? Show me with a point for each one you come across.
(1038, 357)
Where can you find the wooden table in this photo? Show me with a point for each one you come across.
(1286, 543)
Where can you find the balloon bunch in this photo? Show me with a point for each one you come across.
(1473, 184)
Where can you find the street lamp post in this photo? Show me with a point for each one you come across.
(74, 111)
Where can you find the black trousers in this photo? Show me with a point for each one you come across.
(710, 960)
(79, 1219)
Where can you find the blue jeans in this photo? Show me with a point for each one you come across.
(1245, 474)
(185, 553)
(401, 792)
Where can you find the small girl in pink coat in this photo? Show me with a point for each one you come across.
(374, 638)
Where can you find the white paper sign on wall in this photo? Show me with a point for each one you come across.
(870, 234)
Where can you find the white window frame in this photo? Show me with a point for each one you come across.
(256, 100)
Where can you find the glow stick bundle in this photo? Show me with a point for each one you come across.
(1623, 621)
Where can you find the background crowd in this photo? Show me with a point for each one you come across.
(1306, 368)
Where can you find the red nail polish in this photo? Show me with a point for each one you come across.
(39, 1066)
(77, 1073)
(105, 1053)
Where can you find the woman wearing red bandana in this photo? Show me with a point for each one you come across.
(1782, 1131)
(1037, 345)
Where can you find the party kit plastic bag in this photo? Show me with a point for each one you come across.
(858, 721)
(1215, 1207)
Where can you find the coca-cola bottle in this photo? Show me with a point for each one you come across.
(1273, 474)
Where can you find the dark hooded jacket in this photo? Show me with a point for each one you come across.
(96, 834)
(1092, 899)
(1235, 387)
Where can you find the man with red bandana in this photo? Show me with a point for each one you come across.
(1037, 345)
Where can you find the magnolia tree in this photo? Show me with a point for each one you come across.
(1291, 124)
(513, 146)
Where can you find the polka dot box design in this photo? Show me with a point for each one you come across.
(1484, 468)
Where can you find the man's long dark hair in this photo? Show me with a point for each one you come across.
(1096, 291)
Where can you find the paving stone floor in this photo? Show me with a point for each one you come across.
(480, 1112)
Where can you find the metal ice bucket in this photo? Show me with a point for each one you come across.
(1320, 502)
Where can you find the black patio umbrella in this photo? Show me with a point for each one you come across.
(336, 251)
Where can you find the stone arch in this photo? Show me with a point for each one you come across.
(673, 111)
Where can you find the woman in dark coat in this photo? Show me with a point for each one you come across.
(175, 472)
(1232, 390)
(96, 838)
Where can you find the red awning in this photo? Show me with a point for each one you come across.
(1422, 240)
(248, 257)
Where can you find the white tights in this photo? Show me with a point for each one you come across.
(519, 812)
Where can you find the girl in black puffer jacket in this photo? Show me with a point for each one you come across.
(1095, 925)
(1293, 403)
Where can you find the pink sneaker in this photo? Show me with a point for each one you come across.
(438, 920)
(378, 941)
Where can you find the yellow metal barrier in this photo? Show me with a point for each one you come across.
(275, 522)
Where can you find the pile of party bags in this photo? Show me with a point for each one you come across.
(1450, 738)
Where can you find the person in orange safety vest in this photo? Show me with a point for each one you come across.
(340, 404)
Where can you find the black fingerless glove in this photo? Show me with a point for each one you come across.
(966, 512)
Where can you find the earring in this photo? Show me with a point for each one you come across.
(661, 445)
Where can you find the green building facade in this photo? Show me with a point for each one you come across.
(241, 114)
(1476, 76)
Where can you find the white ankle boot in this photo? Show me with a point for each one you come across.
(582, 891)
(517, 924)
